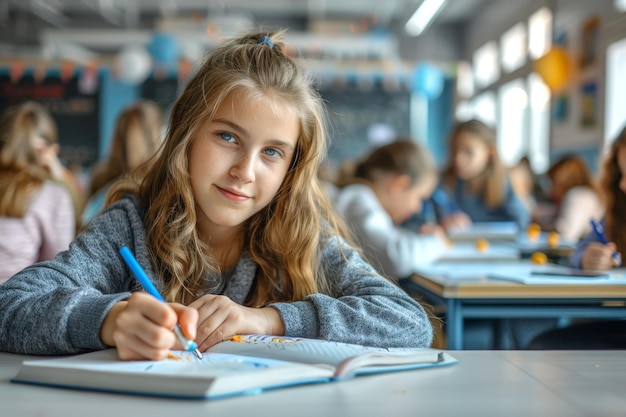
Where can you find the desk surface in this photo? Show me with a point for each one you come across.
(469, 281)
(483, 383)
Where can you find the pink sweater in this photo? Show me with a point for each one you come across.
(47, 228)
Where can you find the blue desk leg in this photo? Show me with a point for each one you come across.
(454, 325)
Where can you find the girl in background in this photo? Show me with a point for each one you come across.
(388, 187)
(136, 138)
(231, 223)
(476, 182)
(591, 253)
(574, 200)
(37, 214)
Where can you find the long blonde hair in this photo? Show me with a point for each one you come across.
(491, 183)
(21, 171)
(614, 197)
(140, 121)
(284, 238)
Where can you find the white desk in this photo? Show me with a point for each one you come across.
(466, 291)
(483, 383)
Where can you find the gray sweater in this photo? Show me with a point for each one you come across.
(57, 306)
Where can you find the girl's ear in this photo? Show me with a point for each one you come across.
(401, 182)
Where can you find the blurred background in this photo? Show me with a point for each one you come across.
(547, 75)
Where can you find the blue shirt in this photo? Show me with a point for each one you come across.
(461, 199)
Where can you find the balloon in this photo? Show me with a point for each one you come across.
(133, 64)
(428, 80)
(164, 49)
(554, 68)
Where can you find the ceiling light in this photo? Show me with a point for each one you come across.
(423, 16)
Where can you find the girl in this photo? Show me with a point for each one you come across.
(575, 200)
(475, 181)
(136, 138)
(231, 223)
(36, 213)
(388, 188)
(591, 253)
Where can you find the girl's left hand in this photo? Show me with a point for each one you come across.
(221, 318)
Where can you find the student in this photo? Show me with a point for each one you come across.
(525, 183)
(231, 222)
(136, 137)
(574, 200)
(476, 182)
(388, 187)
(591, 253)
(36, 213)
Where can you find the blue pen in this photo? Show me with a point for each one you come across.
(142, 277)
(599, 231)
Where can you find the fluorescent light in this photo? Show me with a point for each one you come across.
(620, 5)
(423, 16)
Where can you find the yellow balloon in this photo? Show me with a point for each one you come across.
(554, 68)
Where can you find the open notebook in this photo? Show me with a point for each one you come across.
(243, 365)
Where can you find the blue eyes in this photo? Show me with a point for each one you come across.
(271, 152)
(227, 137)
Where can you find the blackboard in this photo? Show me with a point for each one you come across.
(75, 112)
(353, 111)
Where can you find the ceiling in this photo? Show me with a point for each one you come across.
(29, 23)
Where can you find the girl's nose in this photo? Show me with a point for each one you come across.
(243, 168)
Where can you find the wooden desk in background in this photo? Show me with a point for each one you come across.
(483, 383)
(468, 293)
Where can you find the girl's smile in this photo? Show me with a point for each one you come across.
(238, 162)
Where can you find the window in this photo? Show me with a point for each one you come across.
(513, 48)
(486, 68)
(615, 115)
(539, 126)
(464, 79)
(485, 108)
(512, 126)
(539, 33)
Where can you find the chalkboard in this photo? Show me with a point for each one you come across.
(355, 112)
(75, 111)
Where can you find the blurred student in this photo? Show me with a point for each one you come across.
(388, 187)
(37, 213)
(136, 138)
(525, 183)
(476, 184)
(591, 253)
(574, 199)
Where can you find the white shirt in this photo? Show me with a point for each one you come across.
(391, 249)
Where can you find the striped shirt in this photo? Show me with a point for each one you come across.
(47, 228)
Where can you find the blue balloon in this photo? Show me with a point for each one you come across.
(428, 80)
(164, 49)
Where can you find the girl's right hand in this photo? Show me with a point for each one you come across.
(141, 327)
(598, 256)
(458, 220)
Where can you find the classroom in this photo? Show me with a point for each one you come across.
(335, 208)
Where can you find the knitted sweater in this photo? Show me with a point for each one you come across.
(58, 306)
